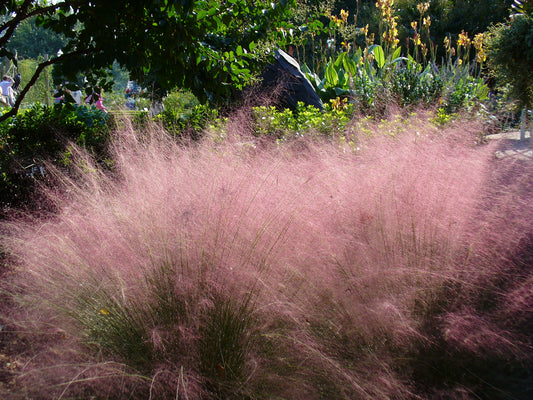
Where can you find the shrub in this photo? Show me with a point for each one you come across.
(414, 85)
(305, 120)
(302, 270)
(183, 114)
(510, 54)
(42, 134)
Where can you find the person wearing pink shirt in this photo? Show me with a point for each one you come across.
(96, 99)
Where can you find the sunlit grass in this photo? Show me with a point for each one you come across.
(248, 269)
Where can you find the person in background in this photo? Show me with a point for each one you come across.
(96, 98)
(76, 95)
(58, 94)
(7, 89)
(17, 79)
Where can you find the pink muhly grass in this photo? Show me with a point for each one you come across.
(307, 270)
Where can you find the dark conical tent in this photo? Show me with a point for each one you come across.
(292, 82)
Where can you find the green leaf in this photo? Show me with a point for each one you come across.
(332, 77)
(339, 61)
(350, 66)
(397, 52)
(379, 55)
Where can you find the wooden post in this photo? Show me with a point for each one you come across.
(523, 122)
(46, 84)
(530, 112)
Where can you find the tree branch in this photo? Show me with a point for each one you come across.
(23, 14)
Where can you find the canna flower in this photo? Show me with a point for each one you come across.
(424, 49)
(344, 15)
(338, 103)
(478, 41)
(391, 33)
(336, 20)
(416, 39)
(422, 8)
(370, 39)
(427, 21)
(481, 55)
(414, 25)
(463, 39)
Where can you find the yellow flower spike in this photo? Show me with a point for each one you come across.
(427, 21)
(422, 8)
(463, 39)
(478, 41)
(414, 25)
(424, 49)
(344, 15)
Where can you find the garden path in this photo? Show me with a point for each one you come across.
(512, 146)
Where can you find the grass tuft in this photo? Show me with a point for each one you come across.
(238, 268)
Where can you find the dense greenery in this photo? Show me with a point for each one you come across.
(43, 134)
(510, 56)
(358, 69)
(32, 41)
(206, 46)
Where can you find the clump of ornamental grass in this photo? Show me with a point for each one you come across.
(310, 269)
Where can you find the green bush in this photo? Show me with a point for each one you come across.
(184, 115)
(305, 120)
(510, 56)
(464, 93)
(413, 84)
(43, 133)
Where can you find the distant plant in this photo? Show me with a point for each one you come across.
(40, 91)
(183, 115)
(305, 120)
(373, 75)
(510, 56)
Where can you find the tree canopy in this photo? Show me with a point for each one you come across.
(207, 46)
(32, 41)
(510, 56)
